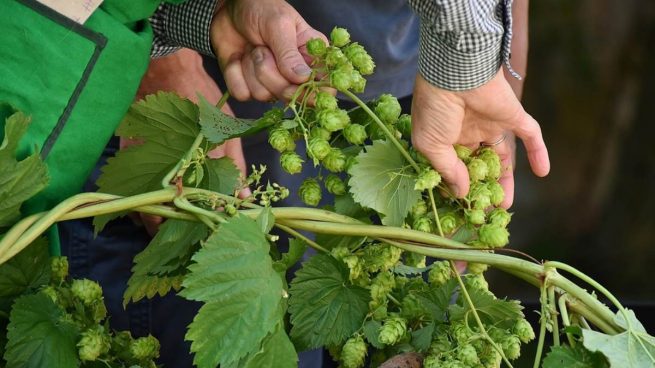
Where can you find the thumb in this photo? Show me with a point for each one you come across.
(284, 44)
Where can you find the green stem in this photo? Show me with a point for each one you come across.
(435, 212)
(300, 236)
(561, 302)
(553, 314)
(383, 127)
(573, 271)
(542, 328)
(587, 313)
(207, 217)
(478, 321)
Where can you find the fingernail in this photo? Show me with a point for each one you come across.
(454, 189)
(302, 69)
(257, 56)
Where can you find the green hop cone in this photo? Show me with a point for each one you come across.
(325, 101)
(318, 132)
(353, 352)
(316, 47)
(432, 361)
(477, 268)
(280, 139)
(379, 312)
(341, 79)
(499, 217)
(466, 354)
(474, 217)
(359, 58)
(419, 209)
(335, 160)
(460, 332)
(230, 209)
(145, 348)
(412, 308)
(448, 223)
(355, 134)
(405, 125)
(440, 345)
(523, 330)
(415, 260)
(463, 152)
(511, 347)
(340, 252)
(490, 157)
(497, 193)
(423, 224)
(355, 266)
(339, 37)
(318, 148)
(93, 343)
(480, 195)
(382, 285)
(310, 192)
(477, 169)
(87, 291)
(440, 273)
(334, 57)
(291, 162)
(393, 329)
(493, 236)
(333, 120)
(58, 269)
(388, 109)
(51, 292)
(98, 311)
(381, 257)
(428, 178)
(357, 82)
(476, 282)
(335, 185)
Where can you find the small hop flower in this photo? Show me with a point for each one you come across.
(310, 192)
(58, 269)
(353, 352)
(428, 178)
(477, 169)
(145, 348)
(511, 347)
(392, 330)
(359, 58)
(335, 160)
(357, 82)
(341, 79)
(316, 47)
(334, 57)
(339, 37)
(318, 148)
(476, 282)
(480, 195)
(87, 291)
(335, 185)
(419, 208)
(475, 216)
(355, 133)
(422, 223)
(291, 162)
(463, 152)
(405, 125)
(497, 193)
(499, 217)
(388, 109)
(93, 343)
(493, 236)
(333, 120)
(466, 354)
(318, 132)
(448, 223)
(325, 101)
(440, 273)
(477, 268)
(460, 332)
(280, 139)
(523, 330)
(490, 157)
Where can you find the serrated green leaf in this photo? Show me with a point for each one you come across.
(19, 180)
(233, 274)
(26, 271)
(265, 220)
(383, 180)
(297, 249)
(422, 337)
(372, 333)
(38, 336)
(500, 313)
(218, 127)
(437, 300)
(276, 351)
(325, 308)
(164, 259)
(221, 175)
(630, 349)
(404, 270)
(577, 357)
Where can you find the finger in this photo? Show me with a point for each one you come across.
(444, 159)
(281, 38)
(267, 72)
(505, 151)
(151, 223)
(234, 79)
(530, 133)
(258, 91)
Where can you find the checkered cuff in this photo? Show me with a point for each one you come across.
(184, 25)
(462, 43)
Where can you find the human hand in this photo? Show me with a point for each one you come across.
(442, 118)
(260, 48)
(183, 73)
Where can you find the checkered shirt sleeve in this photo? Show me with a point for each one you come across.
(463, 42)
(184, 25)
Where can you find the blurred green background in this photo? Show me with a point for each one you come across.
(590, 79)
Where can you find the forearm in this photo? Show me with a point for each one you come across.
(519, 48)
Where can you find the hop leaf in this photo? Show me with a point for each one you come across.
(493, 235)
(440, 273)
(310, 192)
(335, 185)
(335, 160)
(355, 133)
(393, 330)
(58, 269)
(388, 109)
(318, 148)
(93, 344)
(291, 162)
(477, 169)
(325, 101)
(353, 352)
(87, 291)
(280, 139)
(333, 120)
(499, 217)
(428, 178)
(339, 37)
(316, 47)
(523, 330)
(145, 348)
